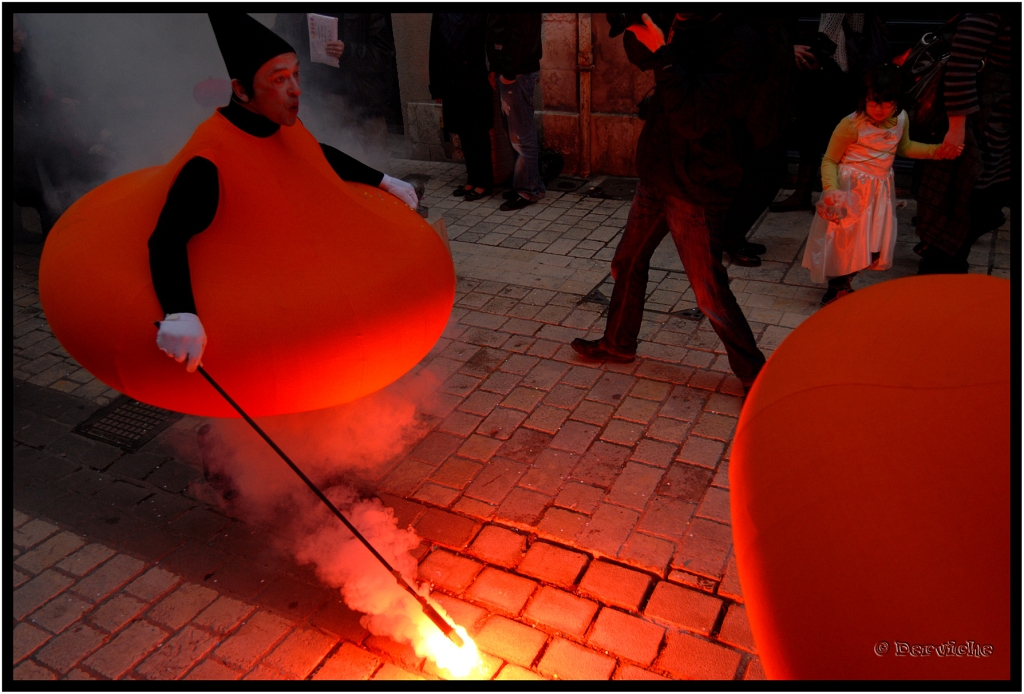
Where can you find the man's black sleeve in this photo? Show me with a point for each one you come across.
(190, 208)
(350, 169)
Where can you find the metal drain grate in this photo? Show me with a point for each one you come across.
(566, 184)
(126, 423)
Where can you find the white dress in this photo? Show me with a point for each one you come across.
(843, 247)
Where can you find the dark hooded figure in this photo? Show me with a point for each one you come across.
(264, 73)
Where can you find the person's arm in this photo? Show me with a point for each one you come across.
(914, 150)
(349, 168)
(972, 41)
(189, 210)
(843, 136)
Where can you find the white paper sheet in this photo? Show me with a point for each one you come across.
(321, 30)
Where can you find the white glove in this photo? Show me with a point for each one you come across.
(181, 336)
(401, 190)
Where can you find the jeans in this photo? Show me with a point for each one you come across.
(517, 110)
(696, 231)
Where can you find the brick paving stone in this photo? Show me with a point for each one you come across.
(704, 549)
(591, 412)
(349, 663)
(261, 631)
(735, 629)
(715, 426)
(301, 652)
(525, 446)
(691, 658)
(60, 613)
(496, 480)
(510, 641)
(632, 672)
(66, 650)
(666, 516)
(264, 672)
(49, 552)
(461, 612)
(724, 404)
(721, 478)
(514, 672)
(32, 533)
(701, 451)
(479, 448)
(152, 584)
(436, 494)
(634, 486)
(611, 388)
(175, 610)
(574, 437)
(545, 375)
(622, 432)
(524, 399)
(579, 497)
(459, 384)
(31, 671)
(565, 660)
(683, 608)
(223, 615)
(684, 403)
(456, 472)
(500, 383)
(501, 591)
(393, 672)
(547, 419)
(715, 505)
(460, 424)
(626, 636)
(637, 410)
(485, 669)
(601, 464)
(436, 447)
(582, 376)
(523, 508)
(474, 509)
(648, 553)
(19, 518)
(20, 577)
(174, 658)
(400, 653)
(669, 430)
(405, 478)
(38, 592)
(212, 670)
(110, 576)
(551, 564)
(730, 586)
(499, 546)
(127, 648)
(660, 371)
(501, 423)
(549, 470)
(701, 583)
(561, 525)
(564, 396)
(446, 528)
(755, 671)
(25, 639)
(449, 571)
(685, 482)
(560, 611)
(480, 403)
(655, 452)
(705, 380)
(608, 528)
(615, 585)
(117, 612)
(650, 390)
(336, 617)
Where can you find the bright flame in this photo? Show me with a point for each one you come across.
(433, 644)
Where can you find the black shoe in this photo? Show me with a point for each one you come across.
(744, 257)
(509, 194)
(593, 349)
(689, 313)
(473, 195)
(833, 294)
(460, 191)
(516, 203)
(755, 248)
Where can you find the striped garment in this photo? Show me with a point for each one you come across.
(982, 45)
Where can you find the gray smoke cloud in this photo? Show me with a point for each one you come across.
(133, 76)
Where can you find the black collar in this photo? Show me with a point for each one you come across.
(247, 121)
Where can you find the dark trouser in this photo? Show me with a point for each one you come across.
(763, 174)
(695, 230)
(842, 282)
(985, 210)
(476, 146)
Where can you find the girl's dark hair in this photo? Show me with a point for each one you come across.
(882, 83)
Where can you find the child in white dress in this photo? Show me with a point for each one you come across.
(855, 224)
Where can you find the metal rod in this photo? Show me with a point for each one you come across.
(432, 614)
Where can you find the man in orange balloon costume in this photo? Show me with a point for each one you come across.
(264, 73)
(315, 277)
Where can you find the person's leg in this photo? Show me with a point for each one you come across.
(696, 231)
(476, 146)
(838, 287)
(517, 105)
(645, 229)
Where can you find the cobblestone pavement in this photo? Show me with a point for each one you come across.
(574, 516)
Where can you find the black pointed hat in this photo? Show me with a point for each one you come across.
(245, 44)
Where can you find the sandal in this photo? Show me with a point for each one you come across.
(474, 195)
(461, 190)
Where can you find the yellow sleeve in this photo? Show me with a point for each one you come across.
(914, 150)
(843, 136)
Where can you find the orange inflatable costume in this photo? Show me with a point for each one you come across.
(314, 291)
(871, 487)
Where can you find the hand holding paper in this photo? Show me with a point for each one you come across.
(323, 39)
